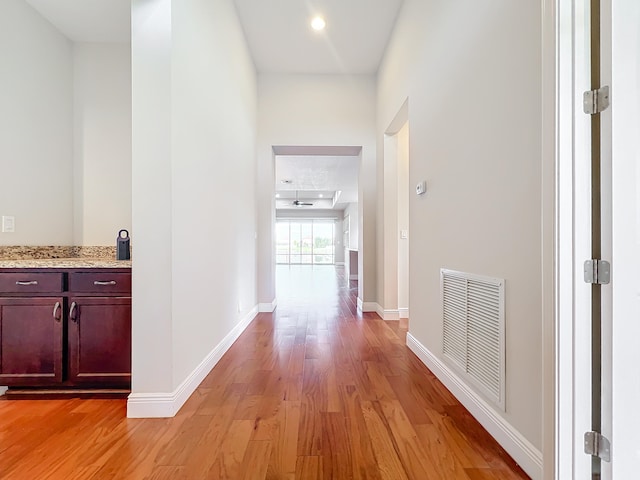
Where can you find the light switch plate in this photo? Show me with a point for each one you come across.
(8, 224)
(421, 187)
(404, 234)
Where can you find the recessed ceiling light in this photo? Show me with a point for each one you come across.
(277, 195)
(320, 195)
(318, 23)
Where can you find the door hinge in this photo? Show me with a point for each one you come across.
(597, 272)
(597, 445)
(596, 101)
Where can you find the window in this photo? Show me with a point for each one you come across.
(305, 242)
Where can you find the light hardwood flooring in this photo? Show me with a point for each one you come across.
(313, 391)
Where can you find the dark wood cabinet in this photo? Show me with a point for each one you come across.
(31, 341)
(65, 329)
(100, 341)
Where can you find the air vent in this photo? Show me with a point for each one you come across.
(473, 330)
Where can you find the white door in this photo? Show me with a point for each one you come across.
(619, 357)
(585, 326)
(620, 60)
(625, 145)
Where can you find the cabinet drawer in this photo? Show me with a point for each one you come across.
(98, 283)
(26, 282)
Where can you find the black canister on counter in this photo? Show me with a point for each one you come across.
(123, 246)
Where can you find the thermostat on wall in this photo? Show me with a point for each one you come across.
(421, 188)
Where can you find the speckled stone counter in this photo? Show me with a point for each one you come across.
(65, 263)
(60, 257)
(20, 252)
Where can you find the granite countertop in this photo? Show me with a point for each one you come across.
(65, 263)
(60, 257)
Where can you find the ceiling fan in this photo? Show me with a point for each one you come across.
(300, 203)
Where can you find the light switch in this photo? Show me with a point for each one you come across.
(8, 224)
(404, 234)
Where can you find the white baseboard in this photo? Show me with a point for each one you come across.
(353, 276)
(160, 405)
(388, 314)
(268, 307)
(366, 306)
(3, 390)
(403, 312)
(522, 451)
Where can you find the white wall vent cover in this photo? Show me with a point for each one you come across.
(474, 330)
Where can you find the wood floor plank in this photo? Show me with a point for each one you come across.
(334, 400)
(310, 428)
(314, 390)
(491, 474)
(442, 457)
(288, 436)
(256, 460)
(364, 465)
(283, 436)
(163, 472)
(413, 404)
(309, 468)
(389, 463)
(410, 450)
(464, 450)
(494, 454)
(336, 449)
(228, 463)
(266, 417)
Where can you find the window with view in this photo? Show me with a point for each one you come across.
(305, 242)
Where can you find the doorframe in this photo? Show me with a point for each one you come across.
(389, 307)
(567, 139)
(566, 238)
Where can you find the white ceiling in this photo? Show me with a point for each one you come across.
(277, 31)
(314, 175)
(281, 40)
(88, 20)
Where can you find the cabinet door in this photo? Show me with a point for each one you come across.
(100, 341)
(31, 341)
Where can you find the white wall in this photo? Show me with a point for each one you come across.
(318, 110)
(36, 128)
(354, 225)
(310, 214)
(472, 74)
(151, 349)
(388, 198)
(102, 142)
(214, 130)
(404, 192)
(194, 117)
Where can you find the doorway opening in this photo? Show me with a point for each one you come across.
(396, 220)
(316, 214)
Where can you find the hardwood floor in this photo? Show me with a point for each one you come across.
(313, 391)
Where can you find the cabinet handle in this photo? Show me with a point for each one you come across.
(31, 282)
(97, 282)
(56, 309)
(72, 311)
